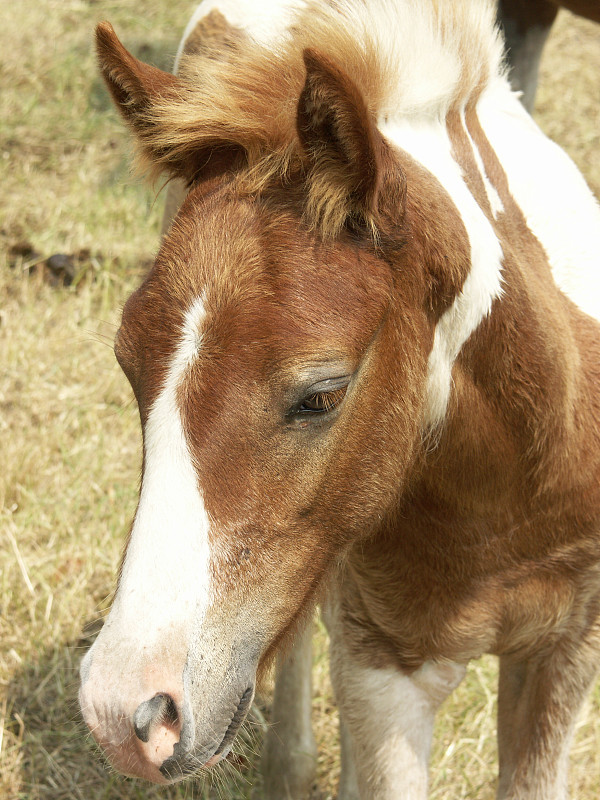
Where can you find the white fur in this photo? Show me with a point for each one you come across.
(391, 716)
(166, 567)
(429, 50)
(557, 204)
(428, 143)
(164, 589)
(165, 576)
(388, 716)
(263, 21)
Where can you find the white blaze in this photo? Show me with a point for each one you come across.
(165, 575)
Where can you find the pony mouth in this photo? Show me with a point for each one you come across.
(174, 768)
(239, 715)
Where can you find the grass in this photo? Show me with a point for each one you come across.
(68, 425)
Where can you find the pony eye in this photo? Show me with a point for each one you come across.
(321, 402)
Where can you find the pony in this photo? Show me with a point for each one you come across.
(367, 362)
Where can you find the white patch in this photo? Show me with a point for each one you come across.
(165, 574)
(389, 715)
(429, 144)
(265, 22)
(391, 718)
(557, 204)
(428, 50)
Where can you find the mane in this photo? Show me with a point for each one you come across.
(410, 59)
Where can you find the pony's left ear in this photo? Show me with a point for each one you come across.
(144, 96)
(347, 154)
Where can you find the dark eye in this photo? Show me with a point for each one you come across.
(320, 402)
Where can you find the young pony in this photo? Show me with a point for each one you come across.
(365, 359)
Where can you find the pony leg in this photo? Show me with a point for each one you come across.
(348, 788)
(538, 704)
(390, 718)
(289, 758)
(348, 785)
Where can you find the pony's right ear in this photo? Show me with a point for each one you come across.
(352, 176)
(144, 95)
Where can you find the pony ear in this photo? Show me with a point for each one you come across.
(142, 94)
(133, 85)
(346, 152)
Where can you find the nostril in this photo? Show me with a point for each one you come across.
(159, 709)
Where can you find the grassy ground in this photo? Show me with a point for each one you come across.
(68, 427)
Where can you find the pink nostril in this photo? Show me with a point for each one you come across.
(160, 710)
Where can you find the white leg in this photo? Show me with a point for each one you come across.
(390, 716)
(348, 788)
(538, 703)
(289, 758)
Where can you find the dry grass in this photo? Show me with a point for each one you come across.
(69, 429)
(567, 106)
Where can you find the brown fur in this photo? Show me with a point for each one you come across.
(522, 395)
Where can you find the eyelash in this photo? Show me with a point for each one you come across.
(322, 402)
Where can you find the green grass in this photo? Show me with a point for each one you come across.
(69, 432)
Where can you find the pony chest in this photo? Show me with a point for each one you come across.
(420, 601)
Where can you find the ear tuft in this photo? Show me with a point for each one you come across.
(133, 84)
(343, 146)
(153, 104)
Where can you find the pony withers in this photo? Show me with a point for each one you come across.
(367, 368)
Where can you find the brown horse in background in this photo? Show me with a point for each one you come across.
(526, 25)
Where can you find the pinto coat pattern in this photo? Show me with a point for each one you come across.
(365, 358)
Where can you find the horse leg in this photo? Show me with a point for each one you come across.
(348, 788)
(289, 757)
(390, 716)
(526, 25)
(538, 703)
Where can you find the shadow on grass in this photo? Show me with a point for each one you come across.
(48, 753)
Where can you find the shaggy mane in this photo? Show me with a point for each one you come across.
(408, 58)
